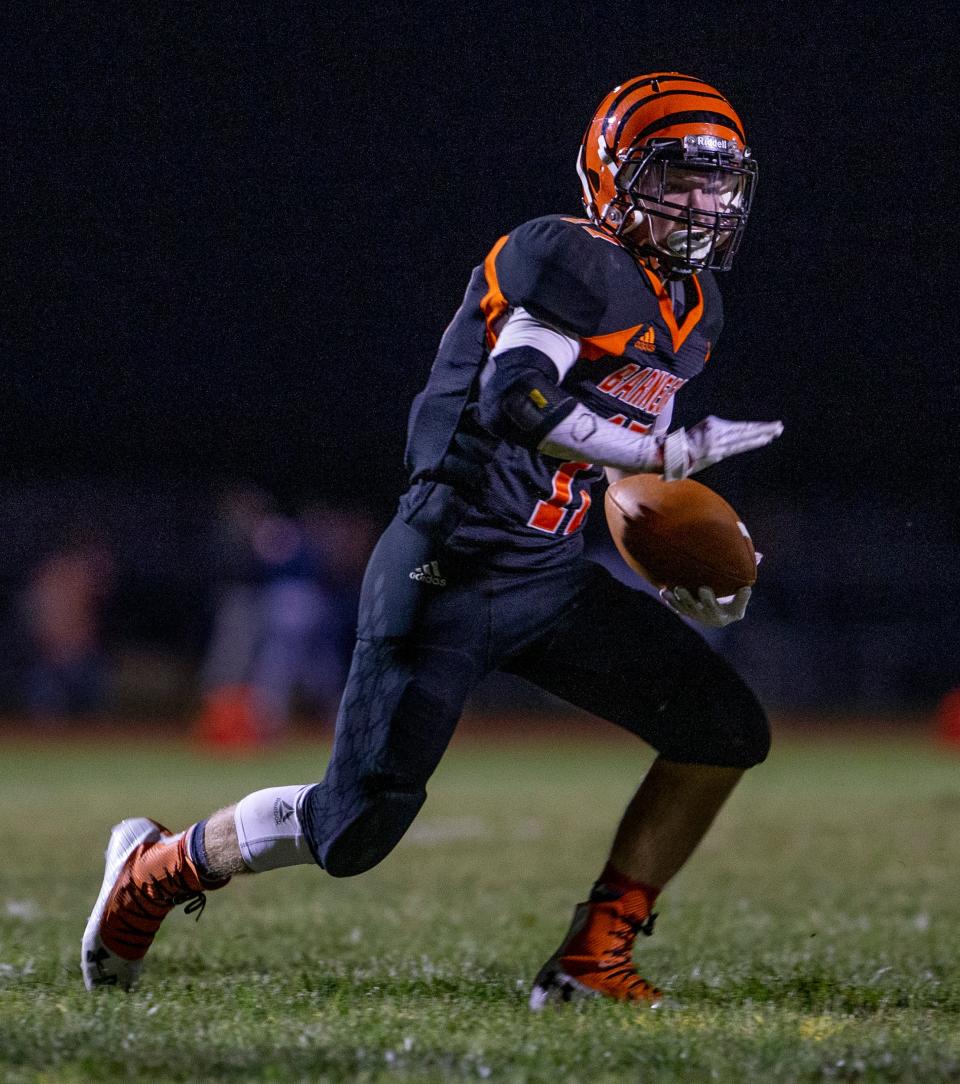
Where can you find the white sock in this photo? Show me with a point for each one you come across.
(268, 829)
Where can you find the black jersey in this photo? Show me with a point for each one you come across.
(479, 494)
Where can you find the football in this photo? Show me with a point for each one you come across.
(680, 534)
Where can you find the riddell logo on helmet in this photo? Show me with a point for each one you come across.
(710, 142)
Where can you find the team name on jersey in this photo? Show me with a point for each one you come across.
(645, 388)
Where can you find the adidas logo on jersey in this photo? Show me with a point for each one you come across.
(429, 573)
(645, 340)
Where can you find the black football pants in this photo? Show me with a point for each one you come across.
(424, 643)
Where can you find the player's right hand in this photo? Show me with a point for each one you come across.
(705, 607)
(687, 451)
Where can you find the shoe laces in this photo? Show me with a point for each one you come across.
(620, 952)
(169, 892)
(625, 933)
(644, 925)
(192, 904)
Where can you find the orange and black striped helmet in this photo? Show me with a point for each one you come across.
(665, 168)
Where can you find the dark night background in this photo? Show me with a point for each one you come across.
(239, 232)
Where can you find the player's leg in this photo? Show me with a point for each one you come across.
(150, 870)
(403, 698)
(625, 657)
(668, 817)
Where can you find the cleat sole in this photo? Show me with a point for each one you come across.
(558, 988)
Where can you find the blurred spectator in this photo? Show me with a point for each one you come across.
(286, 606)
(228, 712)
(236, 572)
(341, 540)
(294, 621)
(62, 615)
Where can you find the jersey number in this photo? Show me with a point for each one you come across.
(549, 514)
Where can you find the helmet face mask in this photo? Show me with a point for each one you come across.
(665, 170)
(686, 208)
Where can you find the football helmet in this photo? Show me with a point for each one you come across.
(665, 168)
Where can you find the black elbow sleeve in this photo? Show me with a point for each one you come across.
(522, 401)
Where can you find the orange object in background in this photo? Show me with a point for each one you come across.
(948, 718)
(229, 719)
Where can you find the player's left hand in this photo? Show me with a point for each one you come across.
(706, 607)
(709, 441)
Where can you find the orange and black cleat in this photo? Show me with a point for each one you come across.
(148, 873)
(596, 957)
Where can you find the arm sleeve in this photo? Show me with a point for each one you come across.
(520, 393)
(521, 401)
(521, 398)
(659, 430)
(581, 434)
(523, 329)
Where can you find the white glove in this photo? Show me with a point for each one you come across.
(707, 609)
(688, 451)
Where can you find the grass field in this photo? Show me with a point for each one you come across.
(816, 934)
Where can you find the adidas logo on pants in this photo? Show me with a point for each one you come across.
(429, 573)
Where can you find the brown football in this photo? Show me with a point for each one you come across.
(680, 534)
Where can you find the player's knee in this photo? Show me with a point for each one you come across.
(750, 742)
(378, 822)
(743, 733)
(723, 724)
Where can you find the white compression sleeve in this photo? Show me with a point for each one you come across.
(522, 329)
(582, 434)
(268, 829)
(585, 435)
(659, 429)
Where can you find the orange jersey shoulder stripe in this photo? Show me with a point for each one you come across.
(494, 304)
(586, 226)
(615, 342)
(677, 334)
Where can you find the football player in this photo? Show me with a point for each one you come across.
(562, 361)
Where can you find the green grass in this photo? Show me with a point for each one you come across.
(815, 935)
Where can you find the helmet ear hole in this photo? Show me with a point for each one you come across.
(594, 179)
